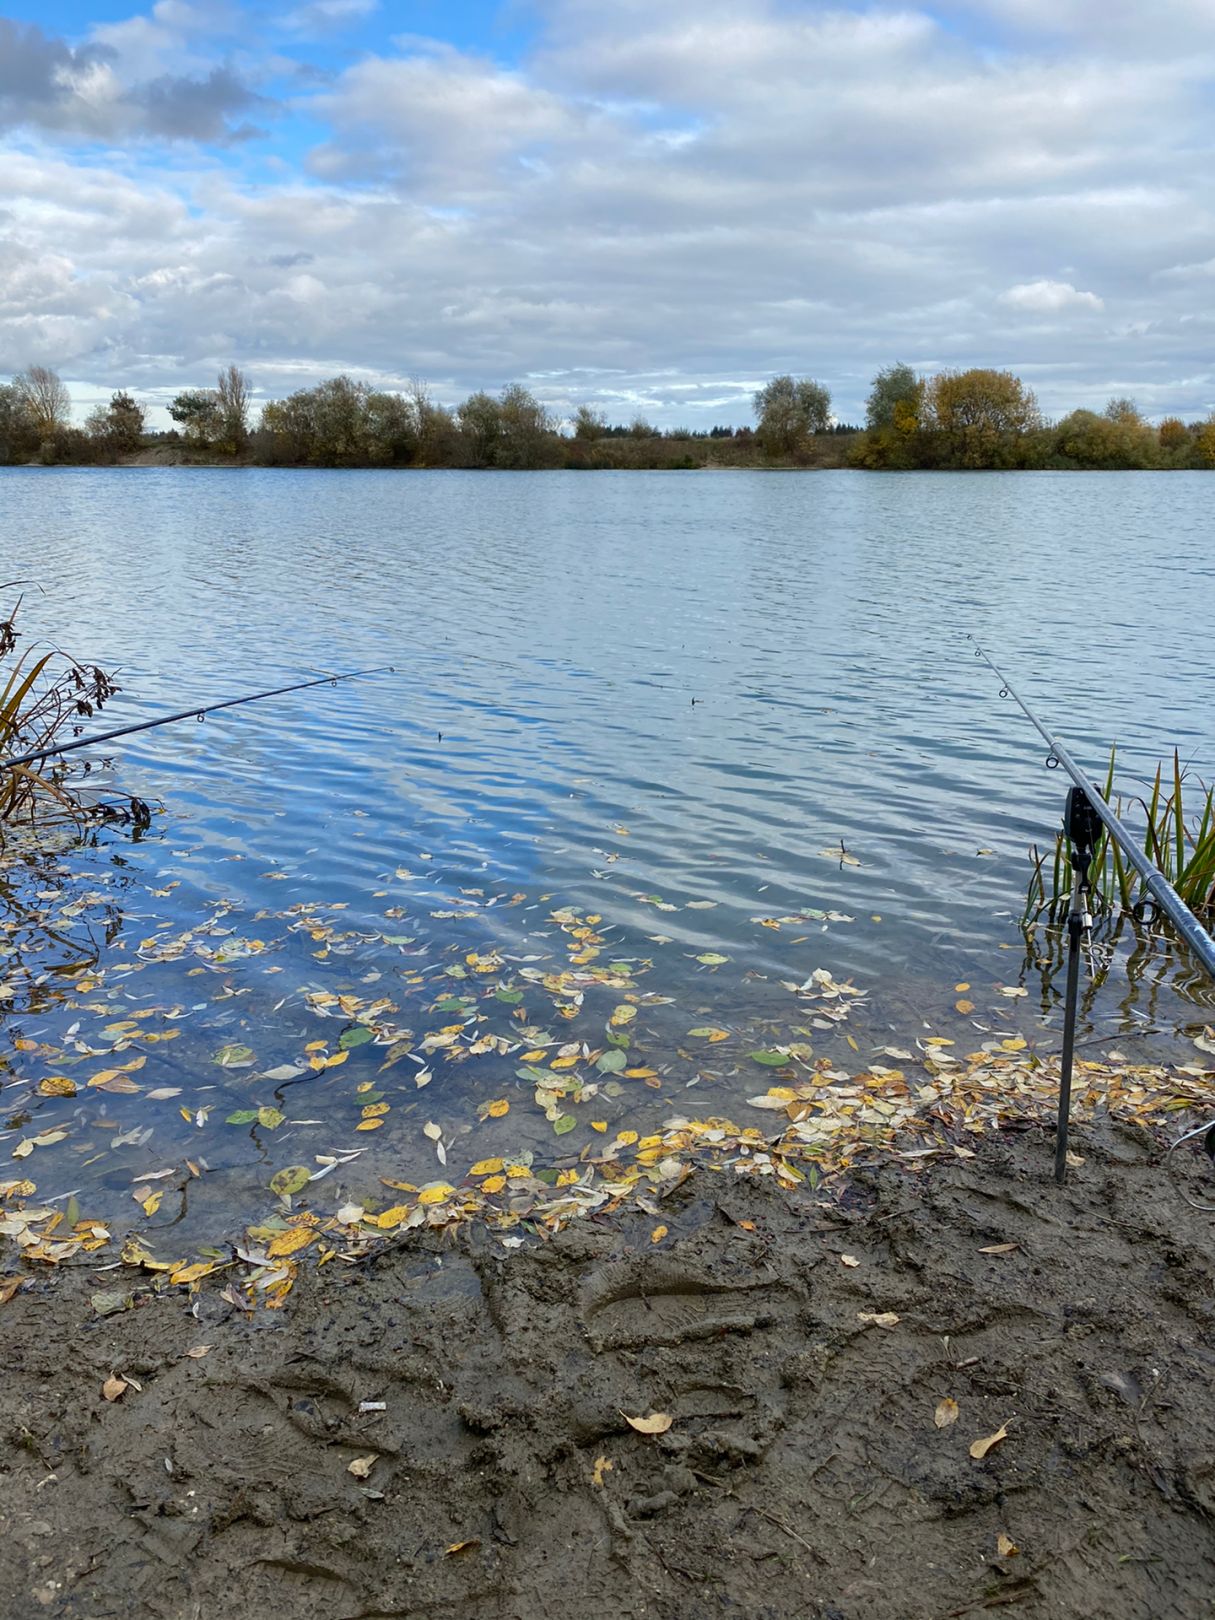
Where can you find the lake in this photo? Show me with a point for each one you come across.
(730, 716)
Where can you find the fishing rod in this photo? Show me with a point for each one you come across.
(195, 713)
(1085, 814)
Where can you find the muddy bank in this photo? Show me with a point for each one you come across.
(814, 1465)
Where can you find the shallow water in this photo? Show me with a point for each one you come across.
(660, 699)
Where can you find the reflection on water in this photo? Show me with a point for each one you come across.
(666, 702)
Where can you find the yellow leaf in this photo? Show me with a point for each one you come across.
(461, 1546)
(486, 1167)
(659, 1232)
(946, 1412)
(641, 1074)
(599, 1124)
(603, 1465)
(369, 1125)
(656, 1423)
(436, 1193)
(316, 1046)
(376, 1110)
(57, 1085)
(299, 1237)
(151, 1203)
(624, 1014)
(1006, 1547)
(188, 1274)
(626, 1137)
(493, 1184)
(534, 1057)
(335, 1058)
(389, 1218)
(980, 1448)
(564, 1063)
(965, 1006)
(498, 1108)
(961, 988)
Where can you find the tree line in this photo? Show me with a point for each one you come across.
(979, 418)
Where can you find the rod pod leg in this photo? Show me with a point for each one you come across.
(1075, 928)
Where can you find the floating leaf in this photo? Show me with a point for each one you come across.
(234, 1057)
(287, 1182)
(712, 958)
(564, 1123)
(57, 1085)
(242, 1116)
(612, 1062)
(980, 1448)
(655, 1423)
(357, 1035)
(772, 1059)
(622, 1015)
(496, 1109)
(271, 1118)
(708, 1032)
(964, 1006)
(946, 1412)
(659, 1232)
(290, 1242)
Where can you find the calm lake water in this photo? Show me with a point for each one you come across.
(657, 699)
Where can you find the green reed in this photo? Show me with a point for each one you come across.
(1177, 823)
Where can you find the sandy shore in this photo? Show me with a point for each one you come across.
(442, 1430)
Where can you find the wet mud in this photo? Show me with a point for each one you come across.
(829, 1366)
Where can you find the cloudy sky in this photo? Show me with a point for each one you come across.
(651, 205)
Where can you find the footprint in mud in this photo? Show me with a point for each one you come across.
(656, 1302)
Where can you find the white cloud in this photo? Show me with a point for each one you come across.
(1048, 297)
(660, 199)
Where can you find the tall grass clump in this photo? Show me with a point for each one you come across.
(43, 698)
(1176, 820)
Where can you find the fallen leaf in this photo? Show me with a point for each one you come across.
(657, 1235)
(290, 1180)
(460, 1546)
(946, 1412)
(362, 1466)
(1000, 1248)
(498, 1108)
(603, 1465)
(57, 1085)
(199, 1351)
(965, 1006)
(114, 1387)
(656, 1423)
(849, 1260)
(1006, 1547)
(980, 1448)
(882, 1319)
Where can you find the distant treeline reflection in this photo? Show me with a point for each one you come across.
(953, 420)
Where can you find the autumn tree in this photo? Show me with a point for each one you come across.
(18, 434)
(196, 410)
(480, 426)
(896, 399)
(524, 429)
(117, 428)
(232, 395)
(979, 414)
(1173, 434)
(589, 423)
(45, 399)
(788, 411)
